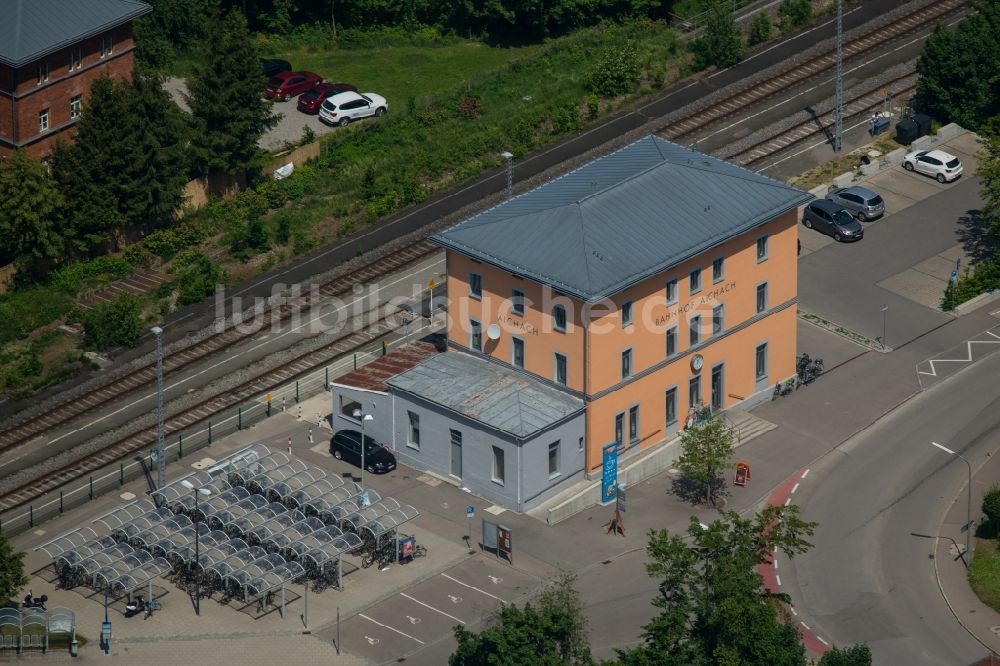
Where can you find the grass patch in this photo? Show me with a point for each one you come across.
(825, 173)
(46, 358)
(984, 572)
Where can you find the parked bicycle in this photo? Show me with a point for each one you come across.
(383, 556)
(784, 388)
(808, 369)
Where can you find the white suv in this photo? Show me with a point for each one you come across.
(342, 108)
(937, 163)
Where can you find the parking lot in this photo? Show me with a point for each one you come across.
(905, 259)
(426, 612)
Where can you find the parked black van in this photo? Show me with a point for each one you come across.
(346, 445)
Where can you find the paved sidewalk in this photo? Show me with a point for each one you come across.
(978, 619)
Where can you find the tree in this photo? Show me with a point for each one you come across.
(550, 632)
(29, 217)
(794, 13)
(957, 69)
(760, 29)
(991, 508)
(856, 655)
(127, 165)
(721, 44)
(116, 323)
(12, 577)
(173, 26)
(706, 449)
(712, 608)
(230, 115)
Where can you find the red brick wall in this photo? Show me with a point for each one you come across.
(56, 94)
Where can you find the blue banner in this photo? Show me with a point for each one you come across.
(609, 471)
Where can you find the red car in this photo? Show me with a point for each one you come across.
(313, 99)
(287, 85)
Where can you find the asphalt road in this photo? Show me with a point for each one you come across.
(868, 578)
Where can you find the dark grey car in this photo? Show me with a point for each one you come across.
(826, 216)
(862, 202)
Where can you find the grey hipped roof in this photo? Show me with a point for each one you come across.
(31, 29)
(489, 393)
(621, 218)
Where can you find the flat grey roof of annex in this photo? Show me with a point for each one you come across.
(488, 392)
(622, 218)
(32, 29)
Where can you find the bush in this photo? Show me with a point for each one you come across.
(617, 72)
(246, 240)
(470, 106)
(308, 136)
(196, 276)
(24, 310)
(106, 269)
(116, 323)
(985, 276)
(991, 508)
(165, 243)
(760, 29)
(593, 106)
(794, 13)
(566, 118)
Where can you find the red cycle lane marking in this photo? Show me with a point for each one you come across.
(780, 497)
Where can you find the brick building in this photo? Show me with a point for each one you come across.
(50, 53)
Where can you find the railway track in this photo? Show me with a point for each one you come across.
(144, 437)
(71, 409)
(855, 107)
(684, 130)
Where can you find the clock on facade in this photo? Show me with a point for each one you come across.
(696, 362)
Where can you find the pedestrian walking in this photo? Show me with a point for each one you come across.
(289, 445)
(282, 403)
(310, 436)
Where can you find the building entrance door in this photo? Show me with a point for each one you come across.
(717, 378)
(456, 453)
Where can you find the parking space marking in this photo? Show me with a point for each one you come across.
(391, 629)
(472, 587)
(436, 610)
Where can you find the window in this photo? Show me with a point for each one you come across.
(717, 319)
(517, 301)
(348, 407)
(718, 269)
(414, 439)
(43, 120)
(475, 285)
(760, 361)
(559, 318)
(560, 374)
(633, 425)
(694, 392)
(499, 472)
(620, 428)
(626, 364)
(761, 297)
(762, 248)
(517, 352)
(74, 106)
(43, 73)
(106, 46)
(671, 406)
(695, 281)
(694, 334)
(671, 292)
(75, 59)
(579, 446)
(626, 313)
(475, 335)
(671, 341)
(553, 459)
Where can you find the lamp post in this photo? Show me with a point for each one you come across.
(885, 308)
(968, 504)
(507, 155)
(363, 417)
(160, 453)
(197, 555)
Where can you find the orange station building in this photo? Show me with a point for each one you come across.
(646, 283)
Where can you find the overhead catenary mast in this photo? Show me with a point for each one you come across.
(838, 109)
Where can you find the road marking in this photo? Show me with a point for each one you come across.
(777, 578)
(793, 610)
(404, 594)
(820, 639)
(344, 308)
(495, 579)
(471, 587)
(794, 488)
(804, 474)
(371, 641)
(391, 628)
(775, 563)
(805, 625)
(413, 620)
(455, 599)
(788, 501)
(968, 355)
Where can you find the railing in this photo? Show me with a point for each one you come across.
(111, 478)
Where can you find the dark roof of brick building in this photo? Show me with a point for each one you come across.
(373, 377)
(31, 29)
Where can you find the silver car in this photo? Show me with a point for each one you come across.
(863, 203)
